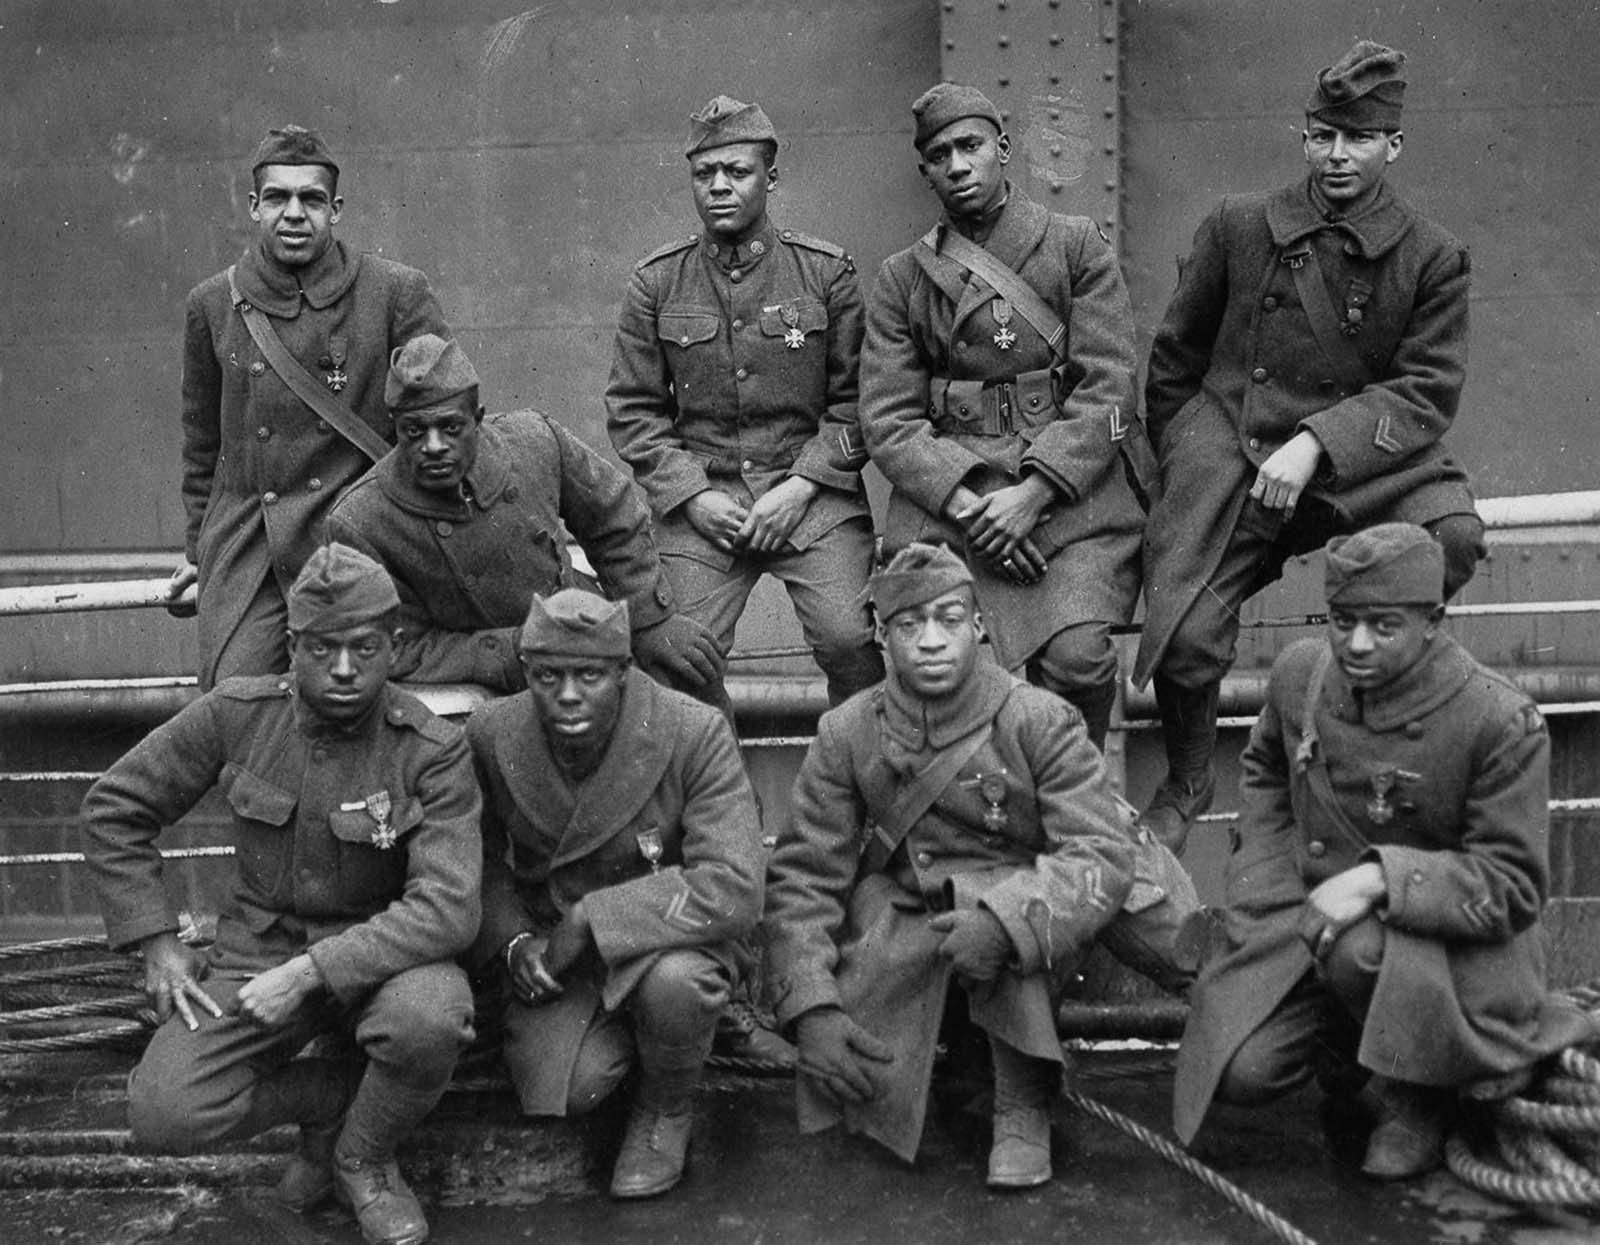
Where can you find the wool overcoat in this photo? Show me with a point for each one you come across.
(1236, 371)
(928, 319)
(1054, 871)
(467, 566)
(1455, 761)
(260, 468)
(671, 786)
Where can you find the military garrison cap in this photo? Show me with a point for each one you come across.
(726, 120)
(575, 623)
(918, 574)
(294, 144)
(339, 587)
(947, 102)
(1388, 564)
(427, 371)
(1362, 90)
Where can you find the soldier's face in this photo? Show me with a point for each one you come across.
(340, 674)
(1375, 644)
(934, 646)
(439, 444)
(965, 163)
(295, 209)
(1347, 165)
(730, 189)
(577, 699)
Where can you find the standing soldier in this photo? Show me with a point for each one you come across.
(997, 425)
(469, 516)
(1308, 365)
(285, 354)
(953, 824)
(356, 879)
(622, 865)
(1388, 872)
(733, 398)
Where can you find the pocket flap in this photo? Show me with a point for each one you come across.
(686, 326)
(358, 826)
(255, 798)
(808, 315)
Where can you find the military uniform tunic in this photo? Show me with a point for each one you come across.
(1442, 777)
(260, 468)
(735, 372)
(467, 566)
(927, 324)
(662, 843)
(1054, 873)
(1236, 371)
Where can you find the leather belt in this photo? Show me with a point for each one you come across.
(973, 408)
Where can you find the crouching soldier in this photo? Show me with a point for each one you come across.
(1388, 870)
(634, 869)
(953, 823)
(355, 818)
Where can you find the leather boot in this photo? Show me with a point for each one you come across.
(1024, 1088)
(385, 1207)
(312, 1092)
(744, 1032)
(656, 1143)
(1095, 703)
(1189, 731)
(308, 1179)
(1409, 1138)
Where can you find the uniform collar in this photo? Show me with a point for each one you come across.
(488, 479)
(916, 723)
(315, 726)
(746, 255)
(279, 291)
(1014, 231)
(1438, 675)
(1292, 214)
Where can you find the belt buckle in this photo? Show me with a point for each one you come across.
(1003, 407)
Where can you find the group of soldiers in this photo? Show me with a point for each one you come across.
(590, 843)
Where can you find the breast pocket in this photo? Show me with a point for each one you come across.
(262, 815)
(686, 327)
(794, 349)
(372, 854)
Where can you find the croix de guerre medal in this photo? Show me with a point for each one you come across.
(649, 842)
(336, 378)
(793, 337)
(1001, 311)
(1379, 811)
(992, 787)
(378, 808)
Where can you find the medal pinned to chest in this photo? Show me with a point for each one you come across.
(793, 337)
(1001, 311)
(991, 787)
(377, 806)
(1385, 779)
(650, 847)
(336, 379)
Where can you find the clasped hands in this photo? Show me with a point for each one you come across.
(999, 525)
(1343, 900)
(762, 527)
(536, 965)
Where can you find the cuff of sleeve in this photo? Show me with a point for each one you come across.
(932, 491)
(1024, 946)
(647, 609)
(1068, 488)
(1406, 878)
(125, 935)
(326, 959)
(793, 997)
(609, 924)
(828, 477)
(688, 482)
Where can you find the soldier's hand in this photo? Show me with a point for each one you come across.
(1286, 472)
(1340, 902)
(180, 601)
(171, 979)
(776, 513)
(975, 943)
(683, 650)
(998, 520)
(270, 998)
(840, 1056)
(568, 941)
(530, 979)
(717, 517)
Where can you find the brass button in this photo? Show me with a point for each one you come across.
(1269, 303)
(1414, 730)
(1259, 375)
(263, 432)
(444, 527)
(738, 324)
(684, 340)
(743, 373)
(315, 483)
(1317, 847)
(747, 465)
(1255, 443)
(736, 276)
(269, 499)
(924, 859)
(257, 368)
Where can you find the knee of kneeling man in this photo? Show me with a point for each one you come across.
(684, 979)
(431, 1038)
(164, 1120)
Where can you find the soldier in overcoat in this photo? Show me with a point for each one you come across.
(356, 882)
(622, 867)
(260, 467)
(999, 435)
(470, 516)
(1388, 871)
(733, 398)
(954, 822)
(1308, 366)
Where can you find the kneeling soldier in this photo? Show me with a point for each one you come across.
(1388, 869)
(954, 822)
(355, 817)
(634, 870)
